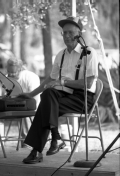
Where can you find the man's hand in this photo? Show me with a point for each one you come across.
(52, 84)
(24, 95)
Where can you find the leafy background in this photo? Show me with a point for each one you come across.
(37, 47)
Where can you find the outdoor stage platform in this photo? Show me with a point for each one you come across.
(13, 166)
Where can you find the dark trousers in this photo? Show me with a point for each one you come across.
(54, 103)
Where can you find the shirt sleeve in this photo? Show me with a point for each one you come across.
(33, 85)
(92, 64)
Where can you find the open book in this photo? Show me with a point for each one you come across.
(65, 89)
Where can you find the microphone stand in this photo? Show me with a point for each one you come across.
(84, 47)
(85, 163)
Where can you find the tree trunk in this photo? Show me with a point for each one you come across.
(3, 22)
(23, 45)
(15, 36)
(47, 45)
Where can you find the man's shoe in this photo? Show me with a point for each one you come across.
(33, 158)
(54, 148)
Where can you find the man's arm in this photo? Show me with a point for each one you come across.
(79, 84)
(41, 88)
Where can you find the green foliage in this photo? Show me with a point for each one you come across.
(108, 22)
(107, 19)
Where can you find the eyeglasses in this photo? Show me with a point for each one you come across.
(70, 33)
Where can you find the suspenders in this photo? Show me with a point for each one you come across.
(78, 66)
(61, 64)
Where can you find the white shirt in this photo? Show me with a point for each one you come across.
(29, 81)
(71, 60)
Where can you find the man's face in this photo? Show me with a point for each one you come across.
(69, 32)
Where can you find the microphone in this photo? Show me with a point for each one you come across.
(83, 46)
(77, 37)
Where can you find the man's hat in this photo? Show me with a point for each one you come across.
(72, 20)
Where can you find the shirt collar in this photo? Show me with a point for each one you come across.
(77, 48)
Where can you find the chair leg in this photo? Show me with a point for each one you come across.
(8, 129)
(31, 119)
(99, 124)
(2, 146)
(20, 130)
(79, 138)
(76, 145)
(67, 118)
(81, 135)
(75, 129)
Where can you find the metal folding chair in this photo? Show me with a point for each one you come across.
(74, 143)
(17, 90)
(14, 115)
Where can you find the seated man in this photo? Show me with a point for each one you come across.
(55, 100)
(28, 81)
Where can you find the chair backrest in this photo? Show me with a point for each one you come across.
(99, 88)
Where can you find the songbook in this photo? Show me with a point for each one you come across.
(65, 89)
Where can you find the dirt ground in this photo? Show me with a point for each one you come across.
(109, 131)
